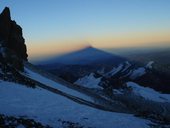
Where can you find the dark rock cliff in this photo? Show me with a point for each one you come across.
(12, 44)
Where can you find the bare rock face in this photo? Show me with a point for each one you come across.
(5, 24)
(12, 43)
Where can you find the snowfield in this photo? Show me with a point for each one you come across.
(51, 83)
(89, 81)
(148, 93)
(48, 108)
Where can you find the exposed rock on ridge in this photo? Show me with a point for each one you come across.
(12, 44)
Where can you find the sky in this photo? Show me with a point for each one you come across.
(58, 26)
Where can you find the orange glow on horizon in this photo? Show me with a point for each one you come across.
(45, 49)
(136, 39)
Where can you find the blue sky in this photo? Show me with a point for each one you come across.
(102, 23)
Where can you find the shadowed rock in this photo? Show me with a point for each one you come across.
(5, 24)
(12, 43)
(11, 34)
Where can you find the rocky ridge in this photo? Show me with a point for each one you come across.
(12, 44)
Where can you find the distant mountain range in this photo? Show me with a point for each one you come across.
(145, 76)
(76, 64)
(160, 56)
(79, 64)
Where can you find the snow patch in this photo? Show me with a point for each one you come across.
(115, 70)
(149, 64)
(89, 81)
(148, 93)
(117, 91)
(127, 66)
(137, 73)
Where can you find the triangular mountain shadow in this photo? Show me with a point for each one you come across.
(79, 63)
(85, 56)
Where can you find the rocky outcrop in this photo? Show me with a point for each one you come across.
(16, 122)
(12, 51)
(12, 44)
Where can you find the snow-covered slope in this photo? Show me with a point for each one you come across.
(148, 93)
(145, 92)
(51, 83)
(115, 70)
(127, 69)
(89, 81)
(49, 108)
(124, 70)
(138, 73)
(119, 77)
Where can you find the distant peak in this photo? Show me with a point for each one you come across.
(6, 13)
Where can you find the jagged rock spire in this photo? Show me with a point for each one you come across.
(6, 13)
(11, 34)
(5, 24)
(11, 37)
